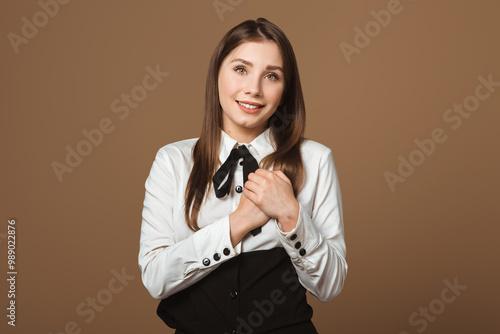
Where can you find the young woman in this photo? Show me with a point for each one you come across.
(239, 223)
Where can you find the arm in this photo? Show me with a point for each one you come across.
(316, 245)
(169, 265)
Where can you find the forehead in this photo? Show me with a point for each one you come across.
(258, 53)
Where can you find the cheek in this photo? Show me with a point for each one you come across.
(227, 85)
(275, 95)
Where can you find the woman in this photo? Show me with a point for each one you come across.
(240, 222)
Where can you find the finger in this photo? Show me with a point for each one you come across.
(263, 172)
(257, 178)
(251, 196)
(282, 176)
(251, 186)
(265, 177)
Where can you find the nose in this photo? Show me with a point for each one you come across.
(253, 86)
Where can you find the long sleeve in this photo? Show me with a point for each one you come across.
(169, 265)
(316, 245)
(172, 257)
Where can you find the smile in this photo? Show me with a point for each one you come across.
(250, 106)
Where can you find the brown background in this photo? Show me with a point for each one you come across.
(440, 224)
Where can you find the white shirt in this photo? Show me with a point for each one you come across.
(172, 257)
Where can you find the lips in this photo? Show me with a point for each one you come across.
(249, 104)
(250, 107)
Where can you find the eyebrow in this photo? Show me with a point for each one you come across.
(268, 67)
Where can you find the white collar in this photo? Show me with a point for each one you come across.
(259, 147)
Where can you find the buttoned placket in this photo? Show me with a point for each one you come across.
(237, 183)
(236, 193)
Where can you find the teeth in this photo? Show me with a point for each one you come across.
(249, 106)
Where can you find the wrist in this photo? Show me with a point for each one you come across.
(236, 228)
(289, 219)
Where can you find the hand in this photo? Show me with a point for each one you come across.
(272, 192)
(245, 218)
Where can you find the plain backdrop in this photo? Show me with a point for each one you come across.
(420, 212)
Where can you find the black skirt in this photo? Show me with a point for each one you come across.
(253, 293)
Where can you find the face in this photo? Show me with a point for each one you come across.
(251, 84)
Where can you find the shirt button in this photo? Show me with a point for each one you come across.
(216, 256)
(294, 236)
(233, 294)
(297, 245)
(206, 261)
(241, 163)
(226, 251)
(239, 189)
(302, 252)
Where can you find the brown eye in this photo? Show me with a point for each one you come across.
(272, 76)
(240, 70)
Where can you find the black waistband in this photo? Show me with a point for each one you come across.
(255, 292)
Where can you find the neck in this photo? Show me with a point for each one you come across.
(244, 136)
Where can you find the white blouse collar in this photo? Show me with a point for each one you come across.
(259, 147)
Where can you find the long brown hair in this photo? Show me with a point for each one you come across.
(286, 124)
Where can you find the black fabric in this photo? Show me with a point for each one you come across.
(256, 292)
(227, 169)
(223, 178)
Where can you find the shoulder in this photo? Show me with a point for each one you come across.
(311, 149)
(177, 151)
(316, 156)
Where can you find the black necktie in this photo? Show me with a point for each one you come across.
(223, 178)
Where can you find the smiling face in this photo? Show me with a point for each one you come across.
(251, 83)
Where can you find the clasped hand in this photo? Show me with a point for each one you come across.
(267, 194)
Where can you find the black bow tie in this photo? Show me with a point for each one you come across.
(223, 178)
